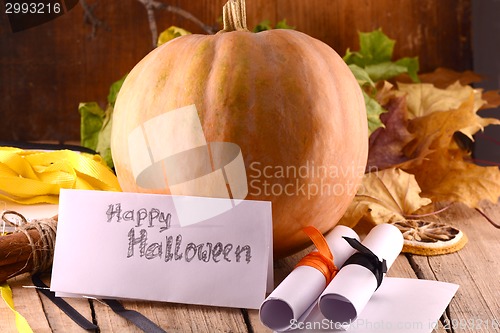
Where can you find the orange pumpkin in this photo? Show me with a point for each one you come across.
(288, 100)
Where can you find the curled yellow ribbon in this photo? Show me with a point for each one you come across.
(322, 259)
(21, 322)
(31, 177)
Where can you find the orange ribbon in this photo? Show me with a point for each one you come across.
(322, 259)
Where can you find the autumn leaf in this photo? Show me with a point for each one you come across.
(373, 108)
(421, 144)
(492, 98)
(385, 196)
(171, 33)
(373, 112)
(436, 129)
(443, 77)
(372, 63)
(425, 98)
(375, 54)
(386, 143)
(447, 174)
(449, 177)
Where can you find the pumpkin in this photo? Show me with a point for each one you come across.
(286, 99)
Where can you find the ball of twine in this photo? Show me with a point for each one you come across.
(42, 250)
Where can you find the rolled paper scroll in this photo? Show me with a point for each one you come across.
(355, 283)
(302, 287)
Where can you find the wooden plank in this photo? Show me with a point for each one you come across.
(435, 31)
(39, 311)
(476, 306)
(28, 304)
(58, 320)
(172, 317)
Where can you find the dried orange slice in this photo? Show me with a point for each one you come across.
(430, 238)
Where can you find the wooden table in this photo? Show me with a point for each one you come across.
(475, 307)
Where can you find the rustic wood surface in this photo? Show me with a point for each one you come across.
(46, 71)
(475, 307)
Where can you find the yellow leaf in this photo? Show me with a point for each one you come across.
(435, 130)
(385, 196)
(171, 33)
(425, 98)
(447, 176)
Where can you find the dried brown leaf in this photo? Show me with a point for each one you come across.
(447, 174)
(386, 143)
(492, 98)
(385, 196)
(443, 77)
(425, 98)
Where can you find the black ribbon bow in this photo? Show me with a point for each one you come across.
(366, 258)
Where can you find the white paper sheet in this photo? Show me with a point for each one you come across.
(125, 245)
(353, 286)
(295, 294)
(399, 305)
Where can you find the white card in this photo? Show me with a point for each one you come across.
(399, 305)
(130, 245)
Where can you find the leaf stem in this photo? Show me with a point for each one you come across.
(493, 223)
(413, 216)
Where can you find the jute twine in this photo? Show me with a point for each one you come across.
(42, 251)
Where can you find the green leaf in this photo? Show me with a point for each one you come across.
(412, 67)
(375, 55)
(373, 112)
(349, 57)
(104, 137)
(385, 70)
(91, 116)
(263, 26)
(375, 47)
(266, 25)
(283, 25)
(171, 33)
(361, 76)
(373, 108)
(114, 89)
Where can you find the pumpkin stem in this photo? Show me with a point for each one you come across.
(234, 16)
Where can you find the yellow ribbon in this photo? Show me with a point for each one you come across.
(21, 322)
(30, 177)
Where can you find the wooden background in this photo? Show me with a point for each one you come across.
(47, 70)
